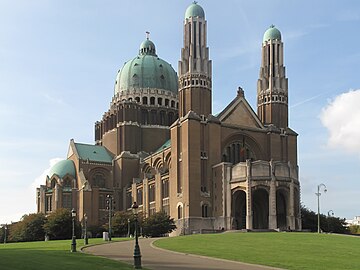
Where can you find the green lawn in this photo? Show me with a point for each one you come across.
(53, 255)
(283, 250)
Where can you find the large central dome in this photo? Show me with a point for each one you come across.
(146, 70)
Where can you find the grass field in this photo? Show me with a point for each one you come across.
(283, 250)
(53, 255)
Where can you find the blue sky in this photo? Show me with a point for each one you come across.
(59, 59)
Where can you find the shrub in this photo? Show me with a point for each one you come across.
(158, 224)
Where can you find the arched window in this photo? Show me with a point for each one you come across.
(152, 101)
(162, 118)
(98, 180)
(145, 100)
(145, 117)
(204, 210)
(67, 183)
(179, 210)
(238, 151)
(53, 183)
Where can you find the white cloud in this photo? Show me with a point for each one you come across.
(342, 119)
(40, 180)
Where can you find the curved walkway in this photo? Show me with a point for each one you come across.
(160, 259)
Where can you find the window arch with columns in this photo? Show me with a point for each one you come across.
(239, 147)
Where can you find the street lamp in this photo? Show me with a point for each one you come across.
(318, 201)
(128, 232)
(110, 207)
(86, 240)
(137, 254)
(330, 214)
(73, 241)
(5, 233)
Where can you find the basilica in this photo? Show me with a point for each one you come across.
(160, 145)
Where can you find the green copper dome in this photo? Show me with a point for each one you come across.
(63, 168)
(194, 10)
(146, 70)
(272, 34)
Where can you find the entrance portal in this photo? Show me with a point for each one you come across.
(239, 210)
(261, 209)
(281, 210)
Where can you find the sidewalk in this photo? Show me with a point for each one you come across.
(160, 259)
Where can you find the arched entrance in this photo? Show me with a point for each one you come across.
(239, 210)
(281, 210)
(260, 201)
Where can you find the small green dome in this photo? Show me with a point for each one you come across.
(272, 34)
(63, 168)
(147, 47)
(194, 10)
(146, 70)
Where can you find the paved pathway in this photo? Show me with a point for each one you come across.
(160, 259)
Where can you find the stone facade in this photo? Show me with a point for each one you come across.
(165, 149)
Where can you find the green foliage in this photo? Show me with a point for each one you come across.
(29, 228)
(306, 251)
(354, 229)
(95, 231)
(327, 223)
(2, 234)
(158, 224)
(59, 225)
(121, 221)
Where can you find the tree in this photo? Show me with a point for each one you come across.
(59, 225)
(309, 221)
(158, 224)
(354, 229)
(29, 228)
(121, 222)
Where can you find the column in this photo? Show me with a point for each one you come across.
(272, 198)
(249, 210)
(291, 218)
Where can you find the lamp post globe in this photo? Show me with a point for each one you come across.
(73, 239)
(137, 254)
(318, 204)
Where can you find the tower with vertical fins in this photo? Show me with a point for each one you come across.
(272, 87)
(195, 66)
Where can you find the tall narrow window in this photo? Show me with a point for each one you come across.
(151, 193)
(179, 209)
(139, 196)
(204, 210)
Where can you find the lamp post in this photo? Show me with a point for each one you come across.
(73, 241)
(330, 214)
(137, 254)
(110, 206)
(86, 240)
(128, 232)
(318, 201)
(5, 233)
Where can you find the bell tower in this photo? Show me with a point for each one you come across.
(272, 87)
(194, 65)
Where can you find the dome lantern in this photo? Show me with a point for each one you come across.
(194, 10)
(272, 34)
